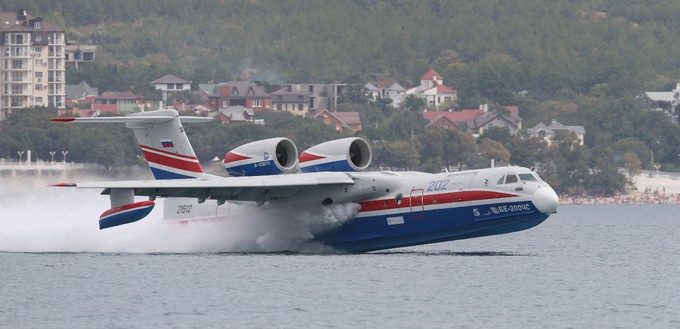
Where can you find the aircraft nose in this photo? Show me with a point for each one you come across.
(546, 201)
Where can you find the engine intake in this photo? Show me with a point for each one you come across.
(271, 156)
(346, 154)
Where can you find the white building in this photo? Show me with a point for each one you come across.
(377, 91)
(670, 97)
(32, 63)
(433, 90)
(547, 133)
(169, 84)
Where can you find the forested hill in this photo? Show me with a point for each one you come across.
(581, 62)
(535, 45)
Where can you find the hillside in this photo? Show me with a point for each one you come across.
(531, 45)
(582, 62)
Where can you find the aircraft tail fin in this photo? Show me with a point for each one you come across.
(162, 139)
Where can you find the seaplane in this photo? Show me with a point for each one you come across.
(395, 208)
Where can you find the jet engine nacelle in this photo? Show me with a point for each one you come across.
(271, 156)
(347, 154)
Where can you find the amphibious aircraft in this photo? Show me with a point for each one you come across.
(396, 209)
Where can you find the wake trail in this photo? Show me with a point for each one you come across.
(38, 218)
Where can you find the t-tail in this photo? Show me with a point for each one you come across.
(162, 139)
(167, 150)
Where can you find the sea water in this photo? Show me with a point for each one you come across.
(588, 266)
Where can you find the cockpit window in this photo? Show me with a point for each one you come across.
(507, 179)
(527, 178)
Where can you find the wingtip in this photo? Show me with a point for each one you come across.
(64, 185)
(62, 119)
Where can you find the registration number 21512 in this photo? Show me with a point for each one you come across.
(184, 209)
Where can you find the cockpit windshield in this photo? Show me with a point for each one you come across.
(532, 177)
(527, 177)
(524, 178)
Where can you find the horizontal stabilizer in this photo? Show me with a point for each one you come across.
(132, 119)
(64, 185)
(125, 214)
(161, 137)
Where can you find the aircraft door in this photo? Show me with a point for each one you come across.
(417, 206)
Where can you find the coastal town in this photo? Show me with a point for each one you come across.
(37, 56)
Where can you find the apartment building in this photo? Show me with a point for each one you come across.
(32, 63)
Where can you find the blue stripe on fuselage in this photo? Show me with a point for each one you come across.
(373, 232)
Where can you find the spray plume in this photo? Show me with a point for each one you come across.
(36, 218)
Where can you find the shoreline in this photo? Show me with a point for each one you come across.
(651, 198)
(657, 189)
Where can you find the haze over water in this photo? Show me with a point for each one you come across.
(585, 267)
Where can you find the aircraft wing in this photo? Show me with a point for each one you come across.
(251, 188)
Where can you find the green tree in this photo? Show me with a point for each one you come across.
(491, 150)
(433, 165)
(400, 155)
(632, 145)
(413, 103)
(404, 125)
(528, 152)
(499, 134)
(632, 164)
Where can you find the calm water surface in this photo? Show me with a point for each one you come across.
(586, 267)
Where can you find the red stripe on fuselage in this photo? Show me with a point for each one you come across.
(432, 199)
(172, 162)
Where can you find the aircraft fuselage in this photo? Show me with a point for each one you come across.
(408, 208)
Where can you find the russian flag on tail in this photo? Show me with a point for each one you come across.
(167, 143)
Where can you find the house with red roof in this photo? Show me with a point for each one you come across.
(81, 93)
(234, 114)
(476, 121)
(454, 120)
(433, 90)
(237, 93)
(341, 121)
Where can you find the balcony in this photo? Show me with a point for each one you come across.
(22, 67)
(20, 92)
